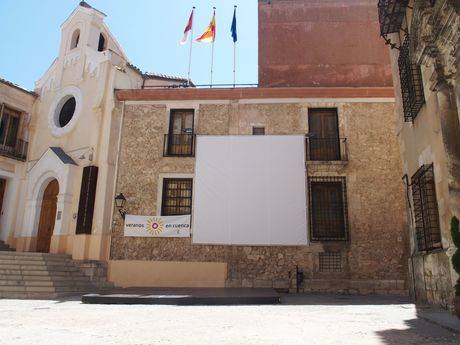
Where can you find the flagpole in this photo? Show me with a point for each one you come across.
(191, 45)
(234, 64)
(212, 50)
(234, 50)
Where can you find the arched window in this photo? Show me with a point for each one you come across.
(101, 45)
(75, 39)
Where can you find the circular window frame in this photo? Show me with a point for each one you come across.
(59, 100)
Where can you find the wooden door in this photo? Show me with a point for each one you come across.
(324, 134)
(47, 217)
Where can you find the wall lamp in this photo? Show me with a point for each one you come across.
(120, 202)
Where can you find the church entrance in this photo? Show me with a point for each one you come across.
(47, 216)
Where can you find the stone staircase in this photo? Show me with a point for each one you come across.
(40, 275)
(5, 247)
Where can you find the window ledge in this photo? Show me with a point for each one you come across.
(342, 163)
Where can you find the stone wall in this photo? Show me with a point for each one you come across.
(374, 258)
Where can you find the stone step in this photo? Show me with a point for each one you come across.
(36, 262)
(34, 258)
(38, 267)
(59, 283)
(68, 287)
(53, 273)
(33, 254)
(76, 276)
(37, 282)
(43, 295)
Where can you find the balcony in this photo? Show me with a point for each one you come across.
(179, 145)
(326, 149)
(16, 150)
(391, 15)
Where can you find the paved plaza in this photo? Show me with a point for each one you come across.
(298, 320)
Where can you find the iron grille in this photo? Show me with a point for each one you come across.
(179, 145)
(177, 196)
(427, 230)
(326, 149)
(258, 130)
(328, 208)
(411, 83)
(391, 15)
(330, 262)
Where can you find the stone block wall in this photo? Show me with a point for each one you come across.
(374, 259)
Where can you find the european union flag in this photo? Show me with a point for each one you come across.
(233, 29)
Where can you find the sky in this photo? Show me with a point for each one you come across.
(148, 30)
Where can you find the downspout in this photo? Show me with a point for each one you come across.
(411, 257)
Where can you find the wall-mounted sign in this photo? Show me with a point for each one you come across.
(157, 226)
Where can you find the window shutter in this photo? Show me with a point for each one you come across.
(87, 198)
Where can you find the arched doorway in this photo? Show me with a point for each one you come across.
(47, 216)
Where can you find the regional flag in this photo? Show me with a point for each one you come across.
(233, 28)
(209, 35)
(187, 29)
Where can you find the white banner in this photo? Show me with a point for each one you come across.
(157, 226)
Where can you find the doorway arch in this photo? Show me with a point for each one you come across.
(47, 216)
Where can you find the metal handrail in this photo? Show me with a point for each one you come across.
(17, 150)
(179, 145)
(326, 149)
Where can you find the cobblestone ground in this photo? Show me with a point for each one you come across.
(298, 321)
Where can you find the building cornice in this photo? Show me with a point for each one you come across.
(252, 93)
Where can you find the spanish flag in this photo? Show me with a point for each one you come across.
(209, 36)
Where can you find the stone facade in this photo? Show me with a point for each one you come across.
(432, 136)
(374, 258)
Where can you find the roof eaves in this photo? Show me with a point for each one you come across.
(9, 83)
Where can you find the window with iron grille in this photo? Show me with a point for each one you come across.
(258, 130)
(411, 83)
(391, 15)
(177, 196)
(330, 262)
(328, 208)
(427, 230)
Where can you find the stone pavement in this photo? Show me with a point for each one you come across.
(300, 319)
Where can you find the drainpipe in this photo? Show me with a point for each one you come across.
(405, 178)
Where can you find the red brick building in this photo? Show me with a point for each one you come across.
(329, 43)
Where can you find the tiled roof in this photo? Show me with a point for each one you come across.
(9, 83)
(152, 75)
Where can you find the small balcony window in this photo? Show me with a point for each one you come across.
(180, 141)
(10, 145)
(323, 141)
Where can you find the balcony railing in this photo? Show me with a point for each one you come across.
(391, 15)
(326, 149)
(17, 150)
(179, 145)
